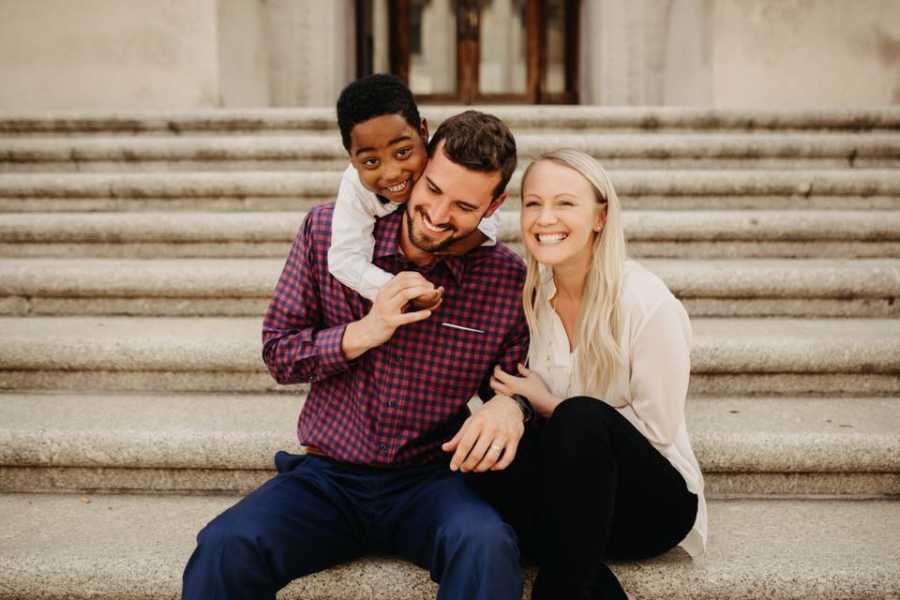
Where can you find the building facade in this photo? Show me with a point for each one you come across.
(198, 54)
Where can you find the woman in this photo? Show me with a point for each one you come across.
(606, 471)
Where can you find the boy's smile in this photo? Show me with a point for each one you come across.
(389, 155)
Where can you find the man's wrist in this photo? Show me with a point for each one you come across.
(357, 339)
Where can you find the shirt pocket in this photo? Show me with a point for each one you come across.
(445, 363)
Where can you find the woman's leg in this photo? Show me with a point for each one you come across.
(602, 480)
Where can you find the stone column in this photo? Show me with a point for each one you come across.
(687, 79)
(311, 50)
(645, 52)
(243, 53)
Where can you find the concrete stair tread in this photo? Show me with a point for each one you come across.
(218, 121)
(803, 183)
(322, 146)
(199, 431)
(254, 226)
(117, 343)
(233, 344)
(779, 407)
(242, 431)
(135, 547)
(256, 277)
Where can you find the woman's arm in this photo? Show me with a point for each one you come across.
(660, 371)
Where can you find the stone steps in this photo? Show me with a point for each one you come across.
(666, 234)
(745, 214)
(325, 152)
(211, 443)
(856, 189)
(236, 287)
(135, 548)
(729, 356)
(519, 118)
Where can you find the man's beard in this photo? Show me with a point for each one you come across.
(424, 244)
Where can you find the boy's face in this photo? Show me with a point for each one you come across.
(389, 155)
(449, 202)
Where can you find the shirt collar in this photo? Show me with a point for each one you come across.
(387, 243)
(548, 286)
(556, 342)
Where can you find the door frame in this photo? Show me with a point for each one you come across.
(468, 55)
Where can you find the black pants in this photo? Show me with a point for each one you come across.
(587, 487)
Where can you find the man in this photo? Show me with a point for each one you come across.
(387, 406)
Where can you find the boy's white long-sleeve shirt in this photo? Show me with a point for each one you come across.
(352, 241)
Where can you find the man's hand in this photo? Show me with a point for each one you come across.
(530, 385)
(488, 440)
(386, 314)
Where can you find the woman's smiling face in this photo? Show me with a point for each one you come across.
(560, 214)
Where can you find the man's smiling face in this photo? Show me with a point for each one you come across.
(448, 202)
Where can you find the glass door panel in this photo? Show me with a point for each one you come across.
(553, 80)
(432, 47)
(503, 47)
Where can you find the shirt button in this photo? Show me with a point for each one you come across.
(392, 404)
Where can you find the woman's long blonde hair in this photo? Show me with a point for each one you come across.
(598, 355)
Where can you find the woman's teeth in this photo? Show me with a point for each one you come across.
(399, 187)
(550, 238)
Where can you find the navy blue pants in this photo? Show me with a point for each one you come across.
(317, 513)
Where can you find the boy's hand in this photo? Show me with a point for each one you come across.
(429, 300)
(387, 314)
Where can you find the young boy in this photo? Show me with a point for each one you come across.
(386, 140)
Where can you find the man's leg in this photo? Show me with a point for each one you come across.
(442, 525)
(293, 525)
(515, 491)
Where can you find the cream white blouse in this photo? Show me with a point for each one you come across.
(651, 389)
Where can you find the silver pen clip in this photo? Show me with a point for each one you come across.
(461, 328)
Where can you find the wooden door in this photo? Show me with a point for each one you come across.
(485, 51)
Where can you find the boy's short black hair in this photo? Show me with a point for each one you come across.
(373, 96)
(479, 142)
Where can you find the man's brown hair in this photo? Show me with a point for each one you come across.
(479, 142)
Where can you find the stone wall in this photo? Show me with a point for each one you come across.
(741, 53)
(801, 53)
(173, 54)
(108, 54)
(188, 54)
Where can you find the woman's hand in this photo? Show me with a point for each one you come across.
(529, 385)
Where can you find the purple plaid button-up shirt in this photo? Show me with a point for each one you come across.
(397, 403)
